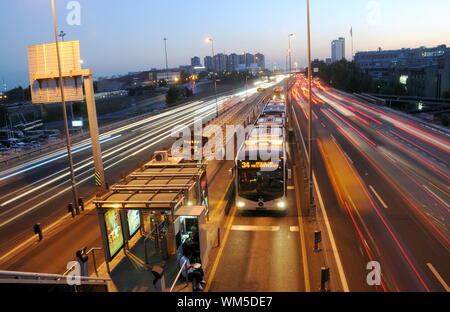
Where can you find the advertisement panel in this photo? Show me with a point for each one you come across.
(114, 232)
(134, 221)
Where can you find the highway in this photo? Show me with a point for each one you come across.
(383, 178)
(39, 190)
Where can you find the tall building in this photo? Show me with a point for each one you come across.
(195, 62)
(233, 62)
(260, 60)
(209, 63)
(337, 50)
(220, 62)
(249, 59)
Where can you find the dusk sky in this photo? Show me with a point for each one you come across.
(119, 36)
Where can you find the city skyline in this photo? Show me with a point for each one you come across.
(99, 37)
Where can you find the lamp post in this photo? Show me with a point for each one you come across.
(167, 62)
(63, 101)
(211, 40)
(312, 209)
(290, 52)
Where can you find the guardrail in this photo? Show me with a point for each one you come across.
(178, 277)
(92, 250)
(16, 275)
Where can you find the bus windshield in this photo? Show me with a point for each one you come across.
(255, 184)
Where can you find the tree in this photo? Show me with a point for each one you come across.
(174, 94)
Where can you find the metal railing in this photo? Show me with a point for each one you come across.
(16, 275)
(92, 250)
(178, 277)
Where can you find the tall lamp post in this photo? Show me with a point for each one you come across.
(167, 62)
(312, 209)
(211, 40)
(63, 101)
(290, 52)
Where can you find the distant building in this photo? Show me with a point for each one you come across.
(171, 76)
(260, 60)
(209, 63)
(220, 62)
(337, 50)
(195, 62)
(233, 62)
(425, 72)
(249, 59)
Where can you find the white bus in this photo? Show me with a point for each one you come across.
(261, 164)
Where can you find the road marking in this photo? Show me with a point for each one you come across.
(332, 240)
(255, 228)
(439, 277)
(437, 197)
(378, 196)
(223, 243)
(323, 125)
(302, 237)
(294, 229)
(346, 155)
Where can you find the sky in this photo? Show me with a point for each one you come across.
(121, 36)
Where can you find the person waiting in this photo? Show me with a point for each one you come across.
(192, 272)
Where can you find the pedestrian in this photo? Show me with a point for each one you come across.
(38, 231)
(192, 272)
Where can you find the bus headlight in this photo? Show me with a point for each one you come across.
(281, 204)
(241, 204)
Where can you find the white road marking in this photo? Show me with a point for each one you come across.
(294, 229)
(438, 276)
(437, 197)
(332, 240)
(348, 157)
(378, 196)
(255, 228)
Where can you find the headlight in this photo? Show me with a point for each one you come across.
(281, 204)
(241, 204)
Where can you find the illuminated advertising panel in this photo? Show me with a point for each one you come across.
(114, 232)
(134, 221)
(259, 165)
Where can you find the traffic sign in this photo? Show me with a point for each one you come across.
(44, 73)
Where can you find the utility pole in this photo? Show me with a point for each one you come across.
(211, 40)
(167, 63)
(312, 209)
(63, 100)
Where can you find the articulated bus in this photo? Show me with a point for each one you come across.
(261, 163)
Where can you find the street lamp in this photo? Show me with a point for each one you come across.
(63, 101)
(290, 52)
(62, 34)
(211, 40)
(167, 63)
(312, 209)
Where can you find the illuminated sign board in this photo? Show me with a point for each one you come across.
(43, 62)
(258, 165)
(114, 232)
(134, 221)
(77, 123)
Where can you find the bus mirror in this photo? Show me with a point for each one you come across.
(289, 174)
